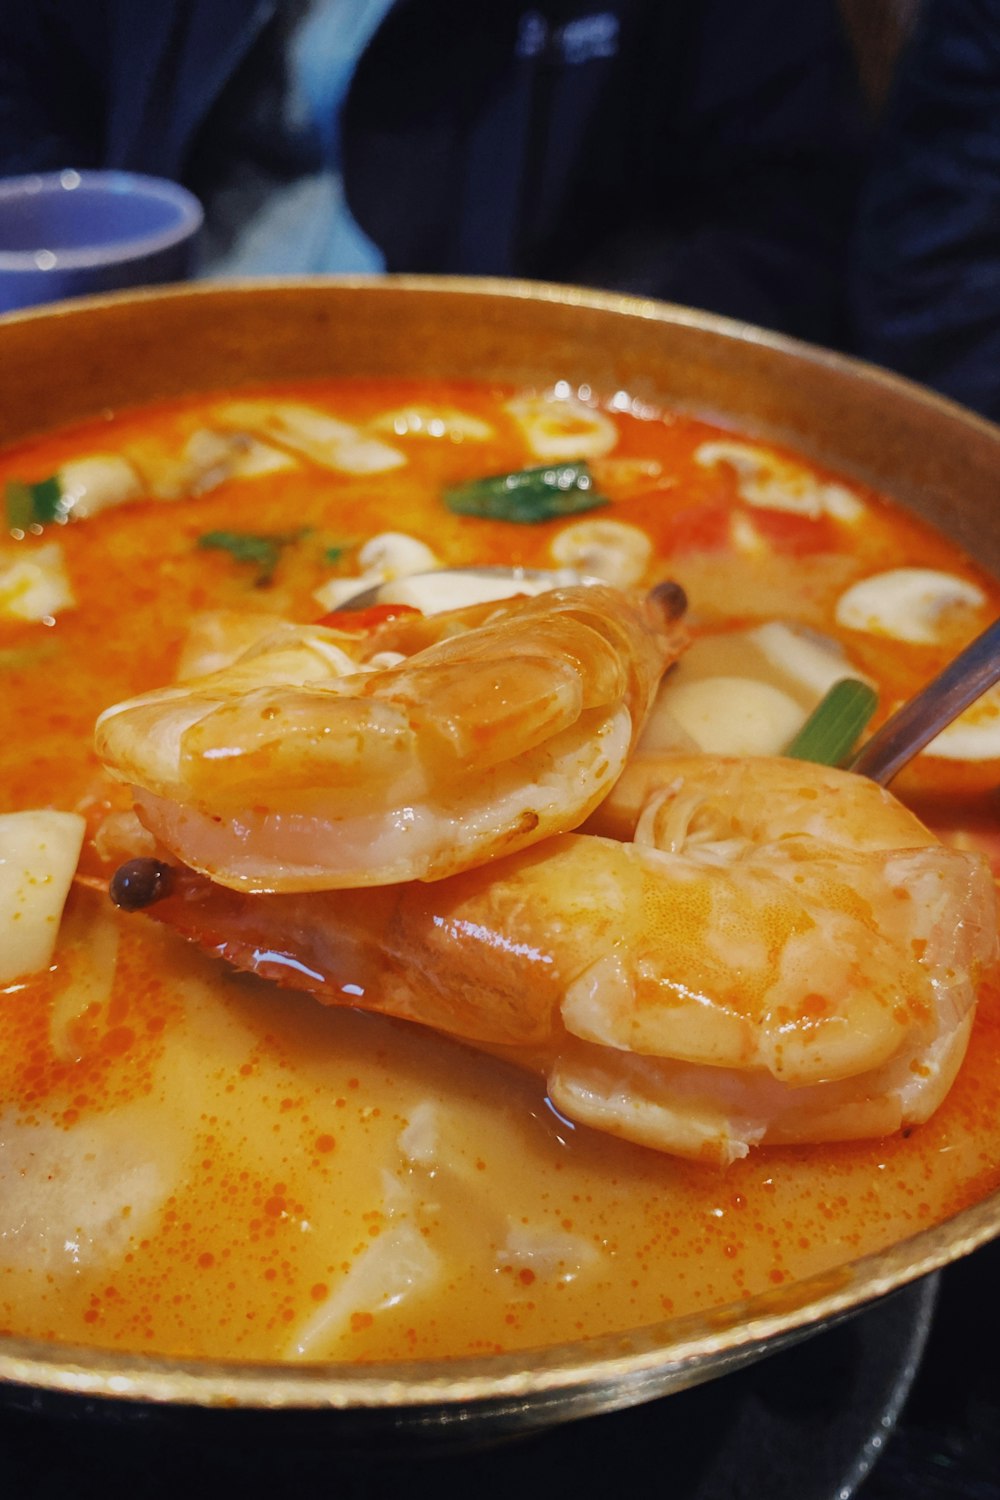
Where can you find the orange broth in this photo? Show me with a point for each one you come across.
(196, 1163)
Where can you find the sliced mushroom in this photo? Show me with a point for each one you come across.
(974, 735)
(384, 558)
(315, 434)
(39, 850)
(768, 480)
(908, 604)
(613, 550)
(563, 427)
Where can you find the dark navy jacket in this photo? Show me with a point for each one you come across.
(926, 272)
(706, 152)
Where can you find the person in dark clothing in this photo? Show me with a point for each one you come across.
(708, 153)
(925, 274)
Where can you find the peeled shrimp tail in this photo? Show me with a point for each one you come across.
(321, 759)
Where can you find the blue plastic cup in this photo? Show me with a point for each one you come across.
(69, 233)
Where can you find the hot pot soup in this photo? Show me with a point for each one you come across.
(199, 1160)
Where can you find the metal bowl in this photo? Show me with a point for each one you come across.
(73, 360)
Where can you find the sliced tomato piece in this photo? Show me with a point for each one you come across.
(795, 535)
(697, 528)
(363, 621)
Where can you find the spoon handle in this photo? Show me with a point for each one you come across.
(915, 724)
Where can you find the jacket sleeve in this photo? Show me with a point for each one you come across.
(51, 110)
(925, 276)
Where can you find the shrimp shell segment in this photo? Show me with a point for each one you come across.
(323, 758)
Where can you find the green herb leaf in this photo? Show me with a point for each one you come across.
(30, 505)
(527, 496)
(260, 550)
(831, 731)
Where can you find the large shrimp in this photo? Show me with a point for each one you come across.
(749, 951)
(329, 757)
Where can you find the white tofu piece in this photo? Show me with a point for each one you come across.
(734, 715)
(39, 850)
(814, 663)
(399, 1265)
(34, 585)
(96, 482)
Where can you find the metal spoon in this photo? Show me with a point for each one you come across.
(502, 581)
(913, 726)
(524, 580)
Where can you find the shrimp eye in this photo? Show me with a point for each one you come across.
(670, 599)
(139, 883)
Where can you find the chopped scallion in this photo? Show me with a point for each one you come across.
(29, 505)
(20, 658)
(527, 496)
(831, 731)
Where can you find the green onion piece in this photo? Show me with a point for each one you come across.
(261, 550)
(527, 496)
(20, 658)
(30, 505)
(831, 731)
